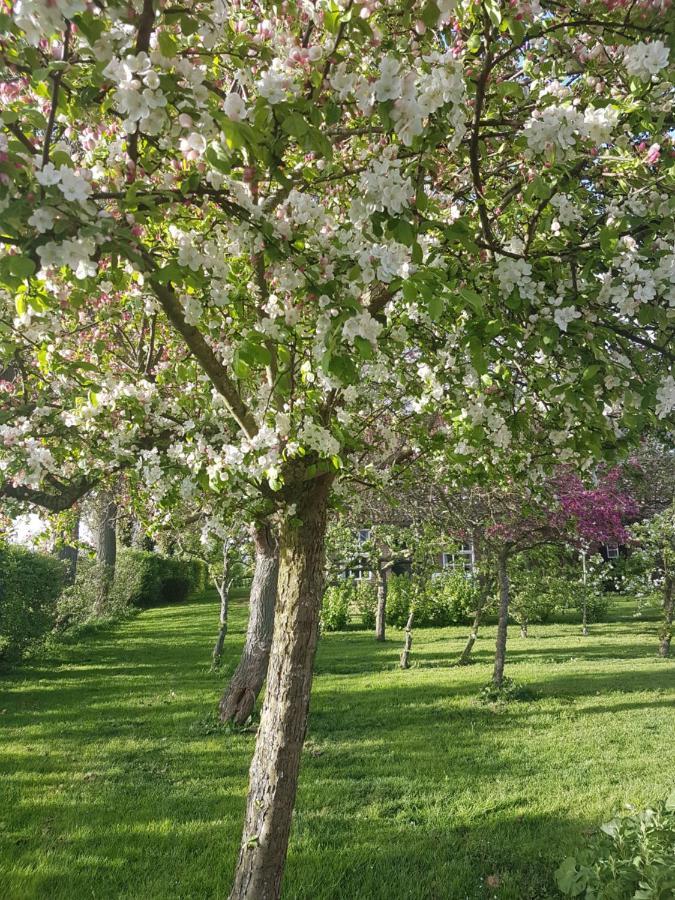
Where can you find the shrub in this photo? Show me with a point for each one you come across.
(456, 597)
(633, 856)
(402, 591)
(146, 579)
(77, 604)
(335, 607)
(445, 599)
(534, 599)
(597, 604)
(30, 584)
(365, 603)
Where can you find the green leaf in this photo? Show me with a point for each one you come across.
(364, 347)
(21, 266)
(493, 11)
(608, 240)
(435, 307)
(295, 124)
(167, 44)
(430, 14)
(474, 299)
(568, 879)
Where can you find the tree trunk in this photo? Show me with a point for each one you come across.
(503, 624)
(382, 590)
(106, 548)
(523, 629)
(217, 655)
(223, 587)
(485, 588)
(584, 600)
(584, 615)
(407, 645)
(69, 551)
(666, 632)
(239, 697)
(274, 770)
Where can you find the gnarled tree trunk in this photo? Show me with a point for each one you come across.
(666, 631)
(503, 624)
(274, 770)
(239, 697)
(383, 573)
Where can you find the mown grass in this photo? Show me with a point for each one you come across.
(114, 782)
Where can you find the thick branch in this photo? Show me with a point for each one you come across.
(206, 358)
(64, 496)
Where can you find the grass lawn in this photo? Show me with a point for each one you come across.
(114, 781)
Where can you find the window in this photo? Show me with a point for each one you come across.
(359, 572)
(460, 560)
(364, 535)
(612, 551)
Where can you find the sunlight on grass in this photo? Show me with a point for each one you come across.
(114, 784)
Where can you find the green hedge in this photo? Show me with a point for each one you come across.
(146, 579)
(30, 584)
(448, 598)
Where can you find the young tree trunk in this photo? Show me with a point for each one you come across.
(584, 600)
(584, 615)
(240, 695)
(273, 775)
(523, 629)
(485, 588)
(223, 585)
(69, 552)
(407, 644)
(106, 548)
(382, 590)
(502, 626)
(666, 631)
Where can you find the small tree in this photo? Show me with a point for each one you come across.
(656, 540)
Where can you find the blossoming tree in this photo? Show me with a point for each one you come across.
(237, 238)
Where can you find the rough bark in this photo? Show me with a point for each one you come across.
(106, 548)
(383, 574)
(666, 632)
(276, 761)
(502, 625)
(239, 697)
(407, 644)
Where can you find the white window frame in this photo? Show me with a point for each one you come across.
(612, 550)
(364, 535)
(464, 559)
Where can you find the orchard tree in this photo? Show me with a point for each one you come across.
(656, 541)
(241, 240)
(599, 515)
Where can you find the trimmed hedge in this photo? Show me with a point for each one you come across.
(30, 584)
(146, 579)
